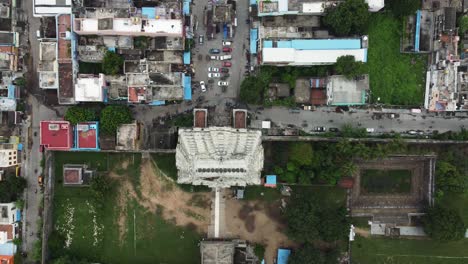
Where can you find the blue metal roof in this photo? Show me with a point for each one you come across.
(20, 146)
(149, 12)
(186, 8)
(418, 31)
(187, 57)
(18, 215)
(187, 87)
(253, 40)
(271, 179)
(316, 44)
(283, 255)
(11, 91)
(7, 249)
(158, 102)
(111, 49)
(253, 2)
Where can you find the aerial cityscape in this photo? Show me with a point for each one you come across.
(234, 131)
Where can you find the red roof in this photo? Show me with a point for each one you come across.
(8, 229)
(57, 135)
(346, 183)
(71, 176)
(87, 135)
(239, 119)
(200, 119)
(6, 259)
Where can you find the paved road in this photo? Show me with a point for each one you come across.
(361, 118)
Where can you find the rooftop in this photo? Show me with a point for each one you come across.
(342, 91)
(200, 118)
(72, 174)
(89, 88)
(8, 158)
(128, 136)
(51, 7)
(240, 118)
(217, 252)
(293, 57)
(56, 135)
(87, 135)
(219, 156)
(304, 7)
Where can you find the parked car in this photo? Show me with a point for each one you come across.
(215, 51)
(294, 110)
(214, 75)
(202, 86)
(225, 70)
(333, 129)
(38, 33)
(227, 43)
(221, 83)
(227, 49)
(227, 64)
(320, 129)
(213, 69)
(225, 57)
(225, 75)
(201, 39)
(214, 57)
(40, 180)
(370, 130)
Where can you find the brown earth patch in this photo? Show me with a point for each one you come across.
(258, 222)
(160, 194)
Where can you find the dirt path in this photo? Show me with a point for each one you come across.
(159, 194)
(257, 222)
(362, 232)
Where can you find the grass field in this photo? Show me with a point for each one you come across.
(396, 78)
(92, 231)
(385, 181)
(408, 251)
(261, 193)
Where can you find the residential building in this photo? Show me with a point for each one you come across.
(56, 135)
(77, 175)
(8, 155)
(128, 136)
(90, 88)
(219, 157)
(51, 7)
(87, 136)
(304, 52)
(200, 118)
(48, 64)
(8, 228)
(304, 7)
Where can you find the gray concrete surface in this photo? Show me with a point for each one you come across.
(360, 118)
(239, 60)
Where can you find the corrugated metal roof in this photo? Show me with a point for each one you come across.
(187, 87)
(149, 12)
(253, 40)
(283, 256)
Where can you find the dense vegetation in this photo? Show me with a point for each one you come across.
(11, 188)
(444, 224)
(402, 8)
(113, 116)
(112, 63)
(349, 67)
(78, 114)
(348, 18)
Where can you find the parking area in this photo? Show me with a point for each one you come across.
(202, 57)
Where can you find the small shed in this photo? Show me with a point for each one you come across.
(240, 194)
(283, 256)
(270, 181)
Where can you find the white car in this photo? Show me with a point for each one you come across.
(227, 43)
(214, 57)
(213, 69)
(221, 83)
(370, 130)
(214, 75)
(202, 86)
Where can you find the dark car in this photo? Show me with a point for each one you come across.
(333, 129)
(224, 70)
(224, 75)
(215, 51)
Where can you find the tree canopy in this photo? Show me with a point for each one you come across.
(113, 116)
(449, 178)
(308, 221)
(444, 224)
(349, 17)
(11, 188)
(307, 254)
(77, 114)
(349, 67)
(251, 90)
(301, 153)
(112, 63)
(401, 8)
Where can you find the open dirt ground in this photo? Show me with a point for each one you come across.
(158, 193)
(257, 222)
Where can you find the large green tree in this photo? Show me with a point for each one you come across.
(301, 153)
(308, 221)
(11, 188)
(112, 63)
(113, 116)
(444, 224)
(401, 8)
(349, 17)
(349, 67)
(307, 254)
(77, 114)
(251, 90)
(449, 179)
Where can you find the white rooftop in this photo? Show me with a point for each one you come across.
(51, 7)
(219, 156)
(89, 88)
(290, 56)
(169, 26)
(131, 26)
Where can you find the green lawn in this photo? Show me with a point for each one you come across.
(458, 202)
(396, 78)
(407, 251)
(94, 231)
(331, 196)
(94, 160)
(385, 181)
(262, 193)
(166, 163)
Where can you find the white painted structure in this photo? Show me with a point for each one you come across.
(51, 7)
(296, 57)
(219, 157)
(89, 88)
